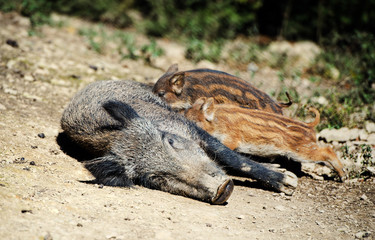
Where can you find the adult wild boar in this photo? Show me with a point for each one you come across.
(137, 139)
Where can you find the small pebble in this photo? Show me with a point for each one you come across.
(95, 68)
(2, 107)
(362, 234)
(41, 135)
(48, 236)
(12, 43)
(26, 211)
(32, 163)
(280, 208)
(79, 225)
(75, 76)
(20, 160)
(364, 197)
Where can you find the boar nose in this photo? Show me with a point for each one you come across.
(223, 192)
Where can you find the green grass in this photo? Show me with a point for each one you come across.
(362, 153)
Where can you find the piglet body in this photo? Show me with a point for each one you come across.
(180, 89)
(262, 133)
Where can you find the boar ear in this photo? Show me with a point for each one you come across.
(177, 82)
(120, 111)
(172, 69)
(208, 109)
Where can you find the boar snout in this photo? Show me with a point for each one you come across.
(223, 192)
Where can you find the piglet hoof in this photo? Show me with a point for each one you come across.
(343, 178)
(223, 192)
(289, 183)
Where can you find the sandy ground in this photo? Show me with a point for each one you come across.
(45, 194)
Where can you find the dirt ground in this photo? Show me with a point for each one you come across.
(45, 194)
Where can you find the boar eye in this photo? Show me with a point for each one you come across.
(177, 145)
(161, 93)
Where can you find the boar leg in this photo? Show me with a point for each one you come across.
(284, 181)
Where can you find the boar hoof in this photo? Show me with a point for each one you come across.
(223, 192)
(289, 183)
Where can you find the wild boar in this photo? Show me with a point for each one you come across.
(137, 139)
(262, 133)
(180, 89)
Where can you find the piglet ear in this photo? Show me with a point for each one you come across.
(198, 104)
(208, 109)
(177, 82)
(172, 69)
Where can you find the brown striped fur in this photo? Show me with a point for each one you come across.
(262, 133)
(180, 89)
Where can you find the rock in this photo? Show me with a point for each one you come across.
(93, 67)
(371, 170)
(371, 139)
(321, 100)
(370, 127)
(10, 91)
(138, 78)
(362, 234)
(60, 82)
(30, 96)
(2, 107)
(333, 73)
(316, 171)
(12, 43)
(206, 64)
(340, 135)
(252, 67)
(48, 236)
(363, 135)
(301, 54)
(41, 71)
(363, 197)
(11, 63)
(41, 135)
(280, 208)
(357, 117)
(343, 230)
(29, 78)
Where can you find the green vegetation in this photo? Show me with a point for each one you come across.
(98, 39)
(344, 29)
(95, 38)
(353, 91)
(198, 50)
(362, 153)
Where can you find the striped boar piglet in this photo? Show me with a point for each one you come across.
(180, 89)
(263, 133)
